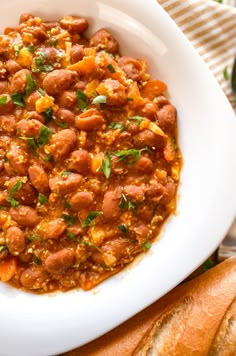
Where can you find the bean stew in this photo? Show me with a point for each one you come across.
(89, 160)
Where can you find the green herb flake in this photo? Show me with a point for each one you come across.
(67, 205)
(62, 124)
(41, 91)
(31, 237)
(138, 119)
(44, 135)
(30, 85)
(116, 126)
(106, 165)
(111, 68)
(17, 48)
(48, 115)
(130, 99)
(208, 264)
(14, 203)
(100, 99)
(44, 68)
(16, 187)
(71, 236)
(31, 143)
(42, 199)
(89, 219)
(126, 155)
(3, 100)
(90, 244)
(82, 100)
(147, 245)
(123, 228)
(71, 220)
(65, 173)
(31, 48)
(2, 207)
(225, 73)
(53, 42)
(48, 158)
(36, 260)
(2, 248)
(18, 99)
(126, 203)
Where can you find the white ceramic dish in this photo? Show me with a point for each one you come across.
(47, 325)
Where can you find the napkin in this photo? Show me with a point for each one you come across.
(211, 28)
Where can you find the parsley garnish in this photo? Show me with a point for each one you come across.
(41, 91)
(116, 126)
(31, 143)
(106, 165)
(125, 155)
(48, 158)
(71, 236)
(17, 48)
(53, 42)
(67, 205)
(2, 207)
(44, 135)
(65, 173)
(89, 220)
(31, 48)
(15, 188)
(71, 220)
(82, 100)
(42, 199)
(2, 248)
(126, 203)
(100, 99)
(62, 124)
(30, 85)
(48, 115)
(89, 244)
(31, 237)
(147, 245)
(130, 99)
(36, 260)
(18, 99)
(3, 100)
(111, 68)
(139, 119)
(123, 228)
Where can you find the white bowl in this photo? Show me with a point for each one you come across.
(46, 325)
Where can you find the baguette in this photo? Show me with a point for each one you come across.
(196, 318)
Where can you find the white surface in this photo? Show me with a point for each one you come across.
(47, 325)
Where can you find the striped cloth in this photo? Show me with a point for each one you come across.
(211, 28)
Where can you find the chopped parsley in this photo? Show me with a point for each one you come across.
(100, 99)
(3, 100)
(89, 244)
(53, 42)
(65, 173)
(31, 143)
(111, 68)
(82, 100)
(2, 248)
(31, 237)
(31, 48)
(18, 99)
(123, 228)
(106, 165)
(41, 91)
(42, 199)
(126, 203)
(71, 236)
(89, 219)
(116, 126)
(147, 245)
(138, 119)
(2, 207)
(71, 220)
(44, 135)
(130, 99)
(15, 188)
(36, 260)
(130, 156)
(17, 48)
(30, 85)
(40, 65)
(48, 158)
(67, 205)
(62, 124)
(48, 115)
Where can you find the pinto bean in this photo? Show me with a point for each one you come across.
(60, 261)
(19, 81)
(103, 39)
(150, 139)
(65, 185)
(7, 124)
(54, 229)
(30, 101)
(25, 17)
(34, 278)
(61, 144)
(29, 128)
(50, 54)
(80, 200)
(170, 189)
(114, 91)
(135, 192)
(58, 80)
(18, 159)
(148, 109)
(66, 116)
(167, 117)
(74, 24)
(79, 161)
(142, 233)
(12, 66)
(76, 53)
(155, 191)
(24, 215)
(161, 101)
(89, 120)
(143, 165)
(15, 240)
(110, 205)
(34, 115)
(38, 178)
(26, 195)
(112, 251)
(8, 107)
(3, 86)
(67, 99)
(132, 67)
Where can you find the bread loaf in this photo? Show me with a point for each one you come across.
(196, 318)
